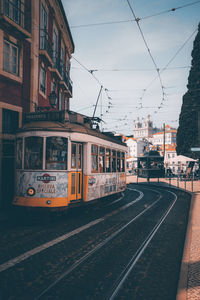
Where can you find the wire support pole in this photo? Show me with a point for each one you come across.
(97, 101)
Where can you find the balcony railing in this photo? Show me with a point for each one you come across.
(68, 82)
(17, 12)
(45, 44)
(56, 64)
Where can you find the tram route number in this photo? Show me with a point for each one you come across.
(46, 188)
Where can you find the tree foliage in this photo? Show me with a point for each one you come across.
(188, 134)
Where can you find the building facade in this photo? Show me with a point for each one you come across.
(169, 135)
(135, 149)
(35, 51)
(143, 130)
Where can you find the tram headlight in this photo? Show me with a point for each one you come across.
(31, 191)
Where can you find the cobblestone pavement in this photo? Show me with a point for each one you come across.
(189, 283)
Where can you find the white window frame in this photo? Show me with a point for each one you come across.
(8, 65)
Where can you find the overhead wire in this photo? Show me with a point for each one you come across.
(166, 67)
(149, 51)
(131, 20)
(152, 58)
(97, 80)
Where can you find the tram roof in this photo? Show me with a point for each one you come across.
(69, 127)
(151, 154)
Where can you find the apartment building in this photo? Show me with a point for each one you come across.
(35, 51)
(169, 135)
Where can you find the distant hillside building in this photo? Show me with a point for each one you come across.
(170, 136)
(143, 130)
(135, 149)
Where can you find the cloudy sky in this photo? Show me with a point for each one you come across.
(136, 81)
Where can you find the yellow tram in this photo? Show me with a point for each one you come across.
(61, 160)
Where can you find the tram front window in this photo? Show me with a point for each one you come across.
(33, 153)
(19, 153)
(56, 153)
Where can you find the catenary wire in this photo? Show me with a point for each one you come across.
(131, 20)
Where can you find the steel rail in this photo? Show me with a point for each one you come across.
(16, 260)
(125, 273)
(99, 246)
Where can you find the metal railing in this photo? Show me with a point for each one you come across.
(16, 12)
(191, 184)
(45, 43)
(68, 82)
(56, 63)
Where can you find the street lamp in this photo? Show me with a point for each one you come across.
(52, 99)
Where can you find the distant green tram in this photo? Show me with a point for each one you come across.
(151, 165)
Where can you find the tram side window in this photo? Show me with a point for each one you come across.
(122, 162)
(19, 153)
(101, 160)
(76, 156)
(33, 153)
(113, 161)
(73, 157)
(94, 154)
(118, 162)
(79, 156)
(108, 160)
(56, 153)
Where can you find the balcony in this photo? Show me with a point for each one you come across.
(57, 68)
(46, 50)
(16, 17)
(67, 84)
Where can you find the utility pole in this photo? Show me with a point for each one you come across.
(97, 101)
(164, 140)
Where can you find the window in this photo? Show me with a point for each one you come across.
(94, 154)
(73, 159)
(42, 79)
(108, 160)
(19, 144)
(33, 153)
(79, 156)
(122, 162)
(76, 156)
(61, 100)
(10, 121)
(113, 161)
(101, 160)
(12, 9)
(118, 162)
(10, 58)
(55, 46)
(43, 28)
(62, 62)
(67, 65)
(56, 153)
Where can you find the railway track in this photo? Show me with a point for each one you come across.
(101, 258)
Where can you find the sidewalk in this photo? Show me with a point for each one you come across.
(189, 281)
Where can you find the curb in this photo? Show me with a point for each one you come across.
(183, 279)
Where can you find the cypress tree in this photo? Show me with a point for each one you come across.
(188, 134)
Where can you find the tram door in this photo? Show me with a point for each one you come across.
(76, 173)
